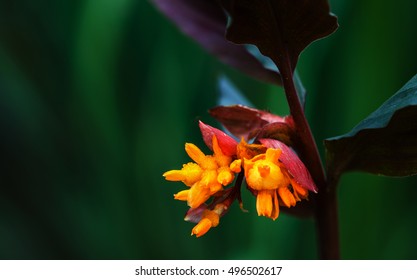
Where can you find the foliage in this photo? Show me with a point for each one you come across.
(90, 90)
(384, 143)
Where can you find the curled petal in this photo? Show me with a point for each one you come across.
(273, 155)
(226, 143)
(182, 195)
(197, 195)
(235, 166)
(225, 176)
(293, 164)
(189, 174)
(194, 153)
(201, 228)
(275, 207)
(298, 190)
(209, 219)
(287, 197)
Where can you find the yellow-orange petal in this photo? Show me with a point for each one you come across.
(192, 173)
(209, 181)
(235, 166)
(208, 177)
(215, 187)
(275, 206)
(302, 192)
(201, 228)
(209, 219)
(248, 151)
(264, 203)
(272, 155)
(174, 175)
(209, 163)
(194, 153)
(189, 174)
(265, 175)
(287, 197)
(182, 195)
(225, 176)
(264, 170)
(198, 194)
(213, 216)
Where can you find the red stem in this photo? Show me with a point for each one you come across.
(326, 211)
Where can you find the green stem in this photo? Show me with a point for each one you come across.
(326, 207)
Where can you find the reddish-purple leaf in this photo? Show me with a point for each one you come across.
(292, 162)
(281, 131)
(241, 120)
(205, 22)
(281, 29)
(226, 143)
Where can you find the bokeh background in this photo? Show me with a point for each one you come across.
(98, 97)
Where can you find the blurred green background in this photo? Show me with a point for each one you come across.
(98, 97)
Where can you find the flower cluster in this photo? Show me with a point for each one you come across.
(206, 176)
(272, 170)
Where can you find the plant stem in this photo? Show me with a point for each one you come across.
(326, 211)
(327, 221)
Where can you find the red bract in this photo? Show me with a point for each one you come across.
(243, 121)
(227, 144)
(292, 162)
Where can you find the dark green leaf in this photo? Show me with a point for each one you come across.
(384, 143)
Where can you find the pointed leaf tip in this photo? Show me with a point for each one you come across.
(384, 143)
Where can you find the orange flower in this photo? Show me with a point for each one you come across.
(206, 176)
(269, 179)
(209, 219)
(273, 171)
